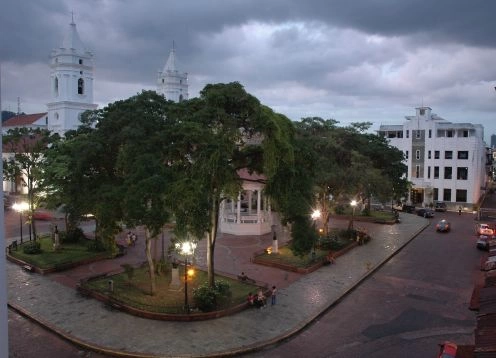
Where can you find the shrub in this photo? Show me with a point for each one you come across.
(205, 297)
(73, 235)
(339, 210)
(162, 267)
(223, 288)
(95, 246)
(31, 248)
(129, 270)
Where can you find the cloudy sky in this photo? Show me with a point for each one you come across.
(351, 60)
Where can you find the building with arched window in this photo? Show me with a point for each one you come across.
(71, 77)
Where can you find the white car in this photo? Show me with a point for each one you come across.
(483, 229)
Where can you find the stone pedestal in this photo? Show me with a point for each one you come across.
(275, 245)
(175, 283)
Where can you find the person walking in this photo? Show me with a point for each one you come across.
(273, 295)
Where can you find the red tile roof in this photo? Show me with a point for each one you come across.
(245, 175)
(23, 119)
(24, 145)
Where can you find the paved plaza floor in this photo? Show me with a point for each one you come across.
(53, 301)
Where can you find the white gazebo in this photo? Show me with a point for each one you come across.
(250, 214)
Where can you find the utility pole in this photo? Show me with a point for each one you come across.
(4, 335)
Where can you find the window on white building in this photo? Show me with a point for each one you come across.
(408, 133)
(435, 194)
(417, 154)
(417, 171)
(448, 154)
(56, 86)
(428, 172)
(436, 172)
(406, 154)
(462, 154)
(417, 134)
(461, 195)
(448, 172)
(447, 195)
(462, 173)
(436, 154)
(80, 61)
(429, 154)
(449, 133)
(80, 88)
(430, 133)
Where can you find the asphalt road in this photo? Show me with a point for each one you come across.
(416, 300)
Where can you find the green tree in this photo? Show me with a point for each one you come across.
(26, 148)
(224, 130)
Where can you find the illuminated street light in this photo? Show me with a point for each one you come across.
(186, 248)
(315, 216)
(20, 208)
(353, 205)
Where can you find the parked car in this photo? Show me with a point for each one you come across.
(443, 226)
(483, 242)
(408, 208)
(483, 229)
(447, 350)
(440, 206)
(42, 215)
(425, 212)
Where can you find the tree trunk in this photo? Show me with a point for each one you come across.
(212, 235)
(151, 266)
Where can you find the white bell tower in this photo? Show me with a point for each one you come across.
(172, 84)
(71, 83)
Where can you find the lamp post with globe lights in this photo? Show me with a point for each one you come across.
(20, 208)
(315, 216)
(353, 204)
(186, 248)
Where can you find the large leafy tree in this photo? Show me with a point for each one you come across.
(26, 147)
(224, 130)
(115, 167)
(350, 163)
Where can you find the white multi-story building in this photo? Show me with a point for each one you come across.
(446, 161)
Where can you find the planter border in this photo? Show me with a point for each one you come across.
(303, 270)
(182, 317)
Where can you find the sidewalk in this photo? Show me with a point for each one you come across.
(301, 299)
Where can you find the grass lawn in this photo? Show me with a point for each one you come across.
(48, 258)
(135, 292)
(286, 257)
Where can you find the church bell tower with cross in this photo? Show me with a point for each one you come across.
(71, 83)
(171, 83)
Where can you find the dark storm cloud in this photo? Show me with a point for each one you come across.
(349, 58)
(27, 28)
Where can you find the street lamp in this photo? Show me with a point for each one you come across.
(20, 208)
(186, 248)
(353, 205)
(315, 216)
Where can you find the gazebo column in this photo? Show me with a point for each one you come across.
(238, 210)
(259, 202)
(250, 195)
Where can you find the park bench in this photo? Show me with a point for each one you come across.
(13, 246)
(122, 250)
(245, 278)
(28, 268)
